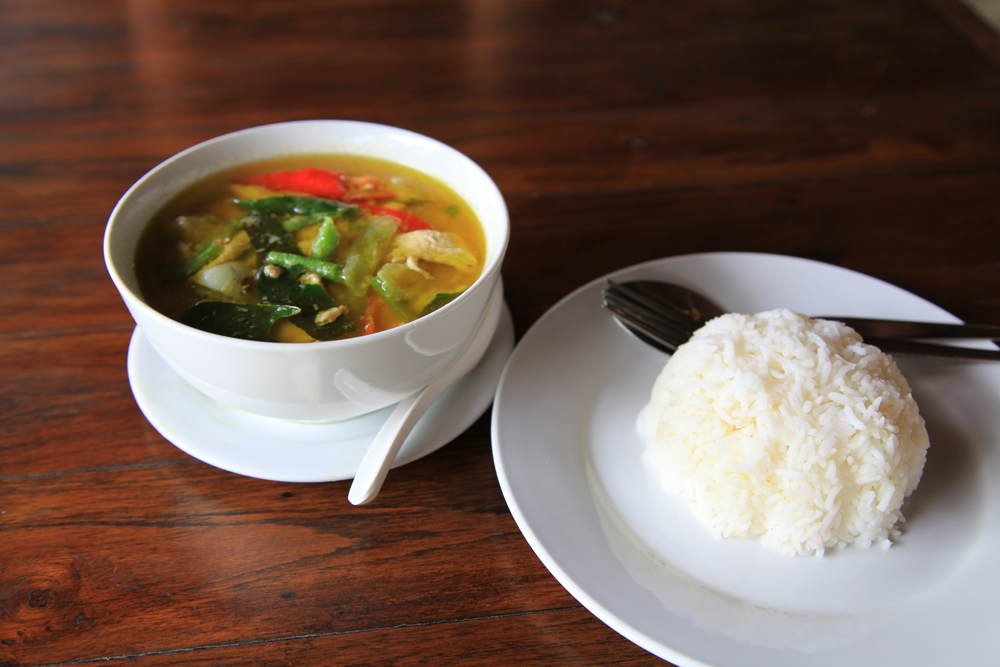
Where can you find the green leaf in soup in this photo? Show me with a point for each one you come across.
(267, 234)
(440, 299)
(310, 299)
(237, 320)
(295, 205)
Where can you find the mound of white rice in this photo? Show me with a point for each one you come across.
(787, 428)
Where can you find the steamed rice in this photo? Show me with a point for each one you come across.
(786, 428)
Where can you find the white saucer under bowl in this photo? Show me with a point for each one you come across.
(288, 451)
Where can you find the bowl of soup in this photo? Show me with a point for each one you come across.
(311, 270)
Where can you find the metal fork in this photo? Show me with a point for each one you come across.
(666, 328)
(653, 322)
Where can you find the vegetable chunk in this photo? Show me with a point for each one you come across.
(431, 246)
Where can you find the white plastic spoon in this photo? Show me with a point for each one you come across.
(382, 452)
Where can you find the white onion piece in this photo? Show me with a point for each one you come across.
(225, 278)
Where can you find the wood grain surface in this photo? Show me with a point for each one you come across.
(861, 133)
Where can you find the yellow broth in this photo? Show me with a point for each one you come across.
(201, 212)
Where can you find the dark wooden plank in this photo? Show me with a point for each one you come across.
(569, 637)
(182, 62)
(640, 149)
(66, 405)
(152, 558)
(925, 234)
(62, 280)
(736, 144)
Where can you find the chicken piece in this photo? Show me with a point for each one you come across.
(430, 245)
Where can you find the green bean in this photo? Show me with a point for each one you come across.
(204, 253)
(322, 268)
(189, 267)
(326, 239)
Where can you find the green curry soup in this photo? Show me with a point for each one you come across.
(315, 247)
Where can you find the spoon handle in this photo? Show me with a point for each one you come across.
(382, 452)
(390, 438)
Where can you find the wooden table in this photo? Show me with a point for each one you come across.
(864, 134)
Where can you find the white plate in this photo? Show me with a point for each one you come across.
(567, 456)
(288, 451)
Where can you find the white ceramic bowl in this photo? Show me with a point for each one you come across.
(331, 380)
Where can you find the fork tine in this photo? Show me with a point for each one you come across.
(649, 340)
(647, 334)
(637, 321)
(654, 319)
(651, 302)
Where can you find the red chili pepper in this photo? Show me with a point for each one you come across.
(316, 182)
(407, 221)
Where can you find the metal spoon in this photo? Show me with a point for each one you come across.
(679, 311)
(390, 438)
